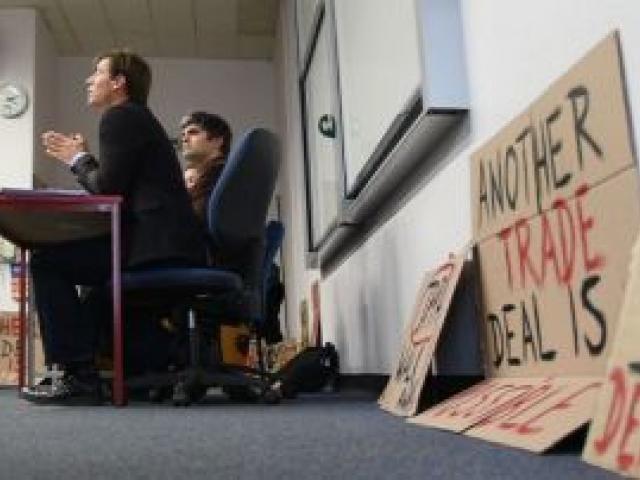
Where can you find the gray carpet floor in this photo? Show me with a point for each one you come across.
(324, 436)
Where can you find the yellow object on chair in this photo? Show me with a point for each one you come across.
(234, 341)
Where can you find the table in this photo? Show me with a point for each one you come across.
(38, 218)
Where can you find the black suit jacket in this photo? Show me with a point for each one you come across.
(137, 161)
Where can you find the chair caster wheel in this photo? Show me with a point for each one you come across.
(271, 396)
(197, 393)
(106, 391)
(158, 394)
(184, 394)
(284, 389)
(180, 397)
(240, 393)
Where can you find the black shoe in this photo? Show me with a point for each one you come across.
(68, 390)
(51, 376)
(44, 384)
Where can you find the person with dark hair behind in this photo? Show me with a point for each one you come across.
(206, 141)
(138, 162)
(205, 144)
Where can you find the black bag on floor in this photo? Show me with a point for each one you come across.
(312, 370)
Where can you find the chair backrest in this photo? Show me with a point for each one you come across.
(237, 210)
(238, 204)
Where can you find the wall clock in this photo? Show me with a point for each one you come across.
(13, 100)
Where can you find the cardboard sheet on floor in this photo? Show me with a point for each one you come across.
(470, 407)
(614, 436)
(531, 413)
(555, 213)
(402, 393)
(543, 416)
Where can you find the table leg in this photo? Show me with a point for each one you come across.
(119, 398)
(24, 328)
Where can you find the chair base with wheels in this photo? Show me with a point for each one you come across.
(199, 364)
(232, 290)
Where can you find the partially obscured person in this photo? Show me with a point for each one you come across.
(206, 140)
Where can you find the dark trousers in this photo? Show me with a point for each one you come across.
(77, 323)
(69, 327)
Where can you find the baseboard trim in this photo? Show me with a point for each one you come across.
(369, 383)
(437, 388)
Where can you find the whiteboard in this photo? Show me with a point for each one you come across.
(322, 151)
(379, 71)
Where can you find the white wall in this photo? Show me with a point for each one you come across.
(291, 179)
(44, 103)
(514, 51)
(17, 47)
(240, 91)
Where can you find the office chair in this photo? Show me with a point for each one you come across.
(274, 235)
(232, 289)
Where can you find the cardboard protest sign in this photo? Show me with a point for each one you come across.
(304, 322)
(10, 279)
(551, 253)
(521, 412)
(466, 409)
(614, 436)
(316, 322)
(7, 299)
(9, 348)
(554, 310)
(543, 416)
(555, 212)
(402, 393)
(575, 134)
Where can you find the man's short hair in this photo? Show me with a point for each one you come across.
(133, 68)
(213, 124)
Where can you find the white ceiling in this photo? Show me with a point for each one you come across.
(217, 29)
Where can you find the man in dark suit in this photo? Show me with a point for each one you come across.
(137, 161)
